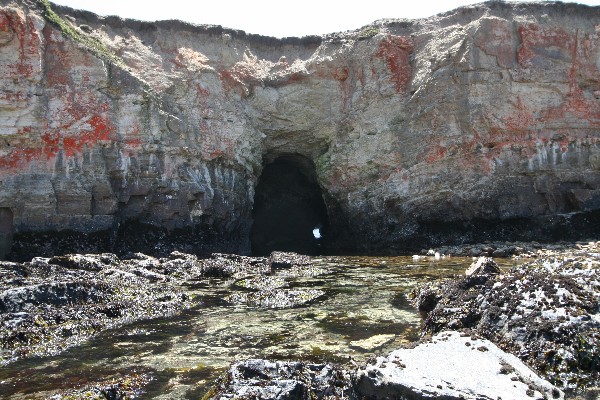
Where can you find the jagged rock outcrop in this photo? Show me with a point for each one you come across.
(545, 311)
(418, 132)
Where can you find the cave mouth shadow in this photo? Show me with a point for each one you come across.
(288, 207)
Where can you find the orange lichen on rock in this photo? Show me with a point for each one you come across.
(538, 42)
(396, 51)
(14, 24)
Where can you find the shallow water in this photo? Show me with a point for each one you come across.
(364, 312)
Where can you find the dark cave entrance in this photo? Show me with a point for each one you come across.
(289, 212)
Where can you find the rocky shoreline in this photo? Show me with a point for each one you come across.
(545, 312)
(50, 304)
(543, 315)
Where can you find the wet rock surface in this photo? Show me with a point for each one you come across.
(272, 291)
(452, 366)
(277, 298)
(124, 387)
(229, 265)
(280, 259)
(48, 305)
(545, 311)
(276, 380)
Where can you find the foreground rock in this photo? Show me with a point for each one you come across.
(452, 366)
(121, 388)
(546, 312)
(277, 380)
(48, 305)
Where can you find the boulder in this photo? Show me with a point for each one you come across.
(452, 366)
(544, 311)
(483, 266)
(277, 380)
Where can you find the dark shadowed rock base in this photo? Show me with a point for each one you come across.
(124, 240)
(503, 239)
(425, 234)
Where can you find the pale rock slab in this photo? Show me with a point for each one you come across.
(453, 366)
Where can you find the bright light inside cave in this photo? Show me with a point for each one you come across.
(317, 233)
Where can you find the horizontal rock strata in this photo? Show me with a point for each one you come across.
(122, 134)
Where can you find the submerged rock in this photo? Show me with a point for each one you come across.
(374, 342)
(260, 282)
(277, 380)
(280, 259)
(277, 298)
(452, 367)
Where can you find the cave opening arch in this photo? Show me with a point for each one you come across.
(289, 212)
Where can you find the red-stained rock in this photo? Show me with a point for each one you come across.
(421, 131)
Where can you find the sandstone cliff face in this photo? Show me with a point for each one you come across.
(419, 131)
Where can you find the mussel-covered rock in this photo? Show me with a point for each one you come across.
(227, 265)
(545, 311)
(278, 380)
(50, 304)
(280, 259)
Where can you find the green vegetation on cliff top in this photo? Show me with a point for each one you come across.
(93, 44)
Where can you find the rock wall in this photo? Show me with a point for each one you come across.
(482, 122)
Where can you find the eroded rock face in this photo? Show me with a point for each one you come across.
(420, 131)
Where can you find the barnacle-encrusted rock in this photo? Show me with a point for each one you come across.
(545, 312)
